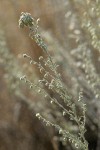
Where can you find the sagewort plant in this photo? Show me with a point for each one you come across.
(52, 81)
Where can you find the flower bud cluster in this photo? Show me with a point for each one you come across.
(25, 20)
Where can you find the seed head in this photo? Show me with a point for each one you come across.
(25, 20)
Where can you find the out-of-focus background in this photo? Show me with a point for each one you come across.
(60, 25)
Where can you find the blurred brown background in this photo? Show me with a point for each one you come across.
(60, 26)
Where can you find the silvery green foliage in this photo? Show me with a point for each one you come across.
(91, 45)
(52, 81)
(92, 22)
